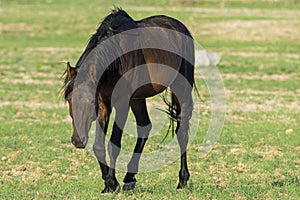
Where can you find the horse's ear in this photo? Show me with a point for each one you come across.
(71, 71)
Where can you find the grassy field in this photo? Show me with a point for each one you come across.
(255, 157)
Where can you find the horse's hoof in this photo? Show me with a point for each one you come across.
(105, 190)
(129, 186)
(181, 185)
(111, 189)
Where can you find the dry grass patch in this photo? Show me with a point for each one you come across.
(30, 81)
(260, 54)
(32, 104)
(266, 106)
(275, 77)
(16, 27)
(276, 13)
(253, 30)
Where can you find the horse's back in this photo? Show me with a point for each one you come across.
(160, 50)
(163, 21)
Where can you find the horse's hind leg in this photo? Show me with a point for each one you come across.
(182, 98)
(182, 137)
(184, 110)
(140, 112)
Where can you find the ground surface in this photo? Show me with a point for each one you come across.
(255, 158)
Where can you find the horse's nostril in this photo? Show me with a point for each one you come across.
(83, 140)
(73, 141)
(79, 143)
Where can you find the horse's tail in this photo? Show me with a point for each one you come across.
(173, 105)
(173, 111)
(187, 71)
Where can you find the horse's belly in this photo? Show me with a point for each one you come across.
(148, 90)
(150, 79)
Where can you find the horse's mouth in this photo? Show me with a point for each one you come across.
(79, 144)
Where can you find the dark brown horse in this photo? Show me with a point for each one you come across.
(124, 63)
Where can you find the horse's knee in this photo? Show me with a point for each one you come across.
(143, 131)
(99, 152)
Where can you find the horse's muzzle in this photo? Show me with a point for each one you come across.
(78, 143)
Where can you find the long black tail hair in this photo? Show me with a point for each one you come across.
(173, 106)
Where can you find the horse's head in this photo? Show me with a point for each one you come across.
(81, 99)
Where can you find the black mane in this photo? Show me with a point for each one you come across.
(107, 28)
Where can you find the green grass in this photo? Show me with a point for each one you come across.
(254, 157)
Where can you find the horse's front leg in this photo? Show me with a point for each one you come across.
(140, 112)
(114, 148)
(99, 144)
